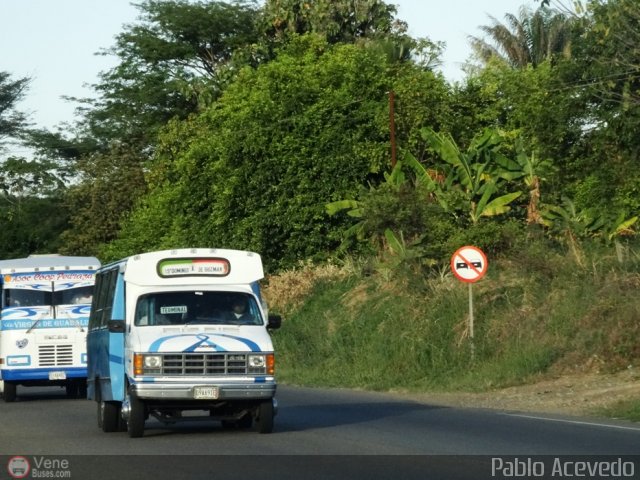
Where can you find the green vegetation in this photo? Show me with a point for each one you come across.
(267, 128)
(537, 312)
(628, 409)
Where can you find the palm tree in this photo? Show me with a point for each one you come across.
(529, 39)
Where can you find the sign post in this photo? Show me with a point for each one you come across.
(469, 264)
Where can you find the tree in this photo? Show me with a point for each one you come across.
(174, 61)
(12, 122)
(32, 214)
(256, 169)
(179, 56)
(527, 39)
(110, 184)
(20, 178)
(348, 21)
(603, 76)
(342, 21)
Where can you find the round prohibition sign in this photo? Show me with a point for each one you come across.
(469, 264)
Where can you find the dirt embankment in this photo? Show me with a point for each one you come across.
(572, 394)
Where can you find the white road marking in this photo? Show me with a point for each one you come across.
(592, 424)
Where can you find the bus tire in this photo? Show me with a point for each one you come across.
(135, 422)
(264, 417)
(108, 415)
(10, 392)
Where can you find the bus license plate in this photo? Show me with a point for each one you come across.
(57, 376)
(205, 393)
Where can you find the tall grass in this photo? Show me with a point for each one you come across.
(536, 312)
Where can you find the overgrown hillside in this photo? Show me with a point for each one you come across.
(539, 310)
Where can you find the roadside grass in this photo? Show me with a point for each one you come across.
(627, 410)
(537, 313)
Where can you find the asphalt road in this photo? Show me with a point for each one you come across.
(318, 433)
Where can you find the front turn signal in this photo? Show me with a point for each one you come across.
(271, 364)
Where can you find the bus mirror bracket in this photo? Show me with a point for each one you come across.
(274, 322)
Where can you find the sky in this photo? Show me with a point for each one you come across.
(55, 41)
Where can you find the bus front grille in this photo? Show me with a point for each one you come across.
(55, 355)
(204, 364)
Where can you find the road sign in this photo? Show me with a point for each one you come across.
(469, 264)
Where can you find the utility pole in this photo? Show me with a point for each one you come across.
(392, 127)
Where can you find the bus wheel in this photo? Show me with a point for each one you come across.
(264, 417)
(108, 416)
(9, 391)
(135, 422)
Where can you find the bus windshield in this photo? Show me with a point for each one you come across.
(73, 296)
(17, 297)
(197, 307)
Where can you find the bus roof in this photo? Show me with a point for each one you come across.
(49, 262)
(194, 266)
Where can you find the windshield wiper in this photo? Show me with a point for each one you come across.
(33, 325)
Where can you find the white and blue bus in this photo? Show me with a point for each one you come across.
(181, 331)
(45, 305)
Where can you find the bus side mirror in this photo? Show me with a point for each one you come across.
(274, 322)
(115, 326)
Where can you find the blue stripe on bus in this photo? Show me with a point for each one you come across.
(203, 339)
(116, 359)
(252, 345)
(42, 324)
(41, 373)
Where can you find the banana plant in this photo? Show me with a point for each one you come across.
(400, 252)
(476, 172)
(531, 170)
(569, 222)
(621, 226)
(355, 208)
(490, 207)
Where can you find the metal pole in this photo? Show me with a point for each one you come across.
(392, 127)
(473, 348)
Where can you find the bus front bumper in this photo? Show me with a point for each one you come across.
(206, 390)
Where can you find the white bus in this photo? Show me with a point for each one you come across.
(45, 305)
(181, 330)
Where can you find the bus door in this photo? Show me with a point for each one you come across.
(105, 340)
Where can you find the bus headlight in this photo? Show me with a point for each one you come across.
(152, 361)
(261, 364)
(256, 362)
(146, 364)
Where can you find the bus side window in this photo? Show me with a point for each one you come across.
(102, 302)
(142, 312)
(109, 291)
(96, 303)
(7, 301)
